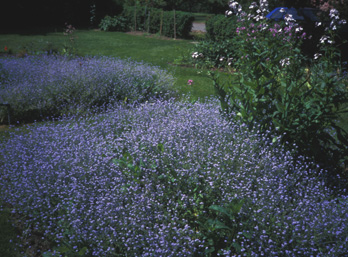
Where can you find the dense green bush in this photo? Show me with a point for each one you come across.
(116, 23)
(221, 28)
(38, 13)
(214, 54)
(138, 12)
(152, 20)
(219, 49)
(183, 22)
(279, 88)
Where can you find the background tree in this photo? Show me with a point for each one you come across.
(23, 14)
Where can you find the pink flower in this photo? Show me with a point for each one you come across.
(190, 82)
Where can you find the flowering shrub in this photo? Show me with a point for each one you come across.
(42, 86)
(166, 179)
(251, 34)
(277, 87)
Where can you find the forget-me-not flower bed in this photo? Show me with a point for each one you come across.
(135, 181)
(38, 87)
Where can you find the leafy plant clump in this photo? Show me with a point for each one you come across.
(42, 86)
(116, 23)
(277, 87)
(221, 28)
(153, 20)
(166, 179)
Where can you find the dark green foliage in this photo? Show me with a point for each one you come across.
(116, 23)
(215, 53)
(276, 84)
(183, 22)
(219, 49)
(154, 20)
(221, 28)
(220, 227)
(7, 234)
(301, 105)
(136, 17)
(38, 13)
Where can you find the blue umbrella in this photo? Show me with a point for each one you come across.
(277, 15)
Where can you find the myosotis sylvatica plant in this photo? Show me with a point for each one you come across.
(276, 86)
(166, 178)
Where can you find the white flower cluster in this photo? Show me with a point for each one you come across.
(334, 14)
(298, 29)
(264, 6)
(326, 38)
(317, 56)
(197, 55)
(235, 8)
(289, 20)
(253, 5)
(285, 61)
(228, 13)
(261, 10)
(335, 19)
(229, 60)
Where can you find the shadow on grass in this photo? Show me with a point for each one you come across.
(8, 234)
(35, 31)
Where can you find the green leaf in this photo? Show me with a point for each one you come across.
(236, 246)
(275, 139)
(83, 251)
(246, 234)
(220, 209)
(219, 225)
(160, 147)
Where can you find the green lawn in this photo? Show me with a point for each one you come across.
(157, 51)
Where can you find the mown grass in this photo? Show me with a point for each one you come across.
(141, 47)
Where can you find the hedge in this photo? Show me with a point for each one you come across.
(116, 23)
(149, 20)
(221, 28)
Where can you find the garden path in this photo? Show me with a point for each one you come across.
(198, 27)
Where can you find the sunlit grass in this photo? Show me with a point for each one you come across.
(150, 49)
